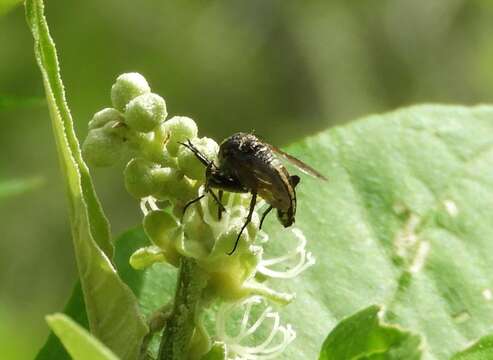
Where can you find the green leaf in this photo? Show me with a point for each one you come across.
(480, 350)
(14, 187)
(79, 342)
(404, 221)
(363, 335)
(111, 306)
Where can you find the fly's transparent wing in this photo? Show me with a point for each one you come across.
(298, 163)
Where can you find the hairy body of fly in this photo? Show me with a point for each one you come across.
(244, 157)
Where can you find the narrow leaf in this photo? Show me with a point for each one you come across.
(111, 306)
(80, 344)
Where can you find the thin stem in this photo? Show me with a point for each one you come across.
(180, 326)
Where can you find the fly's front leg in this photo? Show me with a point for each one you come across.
(253, 201)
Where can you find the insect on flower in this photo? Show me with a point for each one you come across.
(248, 165)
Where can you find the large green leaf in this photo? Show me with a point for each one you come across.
(404, 221)
(79, 342)
(111, 306)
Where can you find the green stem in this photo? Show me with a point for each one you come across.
(180, 326)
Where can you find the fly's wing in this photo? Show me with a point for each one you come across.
(298, 163)
(262, 173)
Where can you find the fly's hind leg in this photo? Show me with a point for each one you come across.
(187, 205)
(266, 212)
(253, 201)
(220, 209)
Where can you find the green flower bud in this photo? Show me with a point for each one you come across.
(145, 112)
(164, 231)
(188, 162)
(179, 128)
(127, 87)
(105, 116)
(102, 148)
(151, 147)
(172, 184)
(139, 180)
(146, 256)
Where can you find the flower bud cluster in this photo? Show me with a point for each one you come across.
(165, 176)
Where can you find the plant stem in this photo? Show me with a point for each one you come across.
(180, 326)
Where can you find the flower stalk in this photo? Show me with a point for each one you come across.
(180, 325)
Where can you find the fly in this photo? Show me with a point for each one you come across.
(248, 165)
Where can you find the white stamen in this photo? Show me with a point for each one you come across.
(305, 260)
(148, 204)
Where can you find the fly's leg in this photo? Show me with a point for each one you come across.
(219, 209)
(266, 212)
(190, 203)
(214, 196)
(247, 221)
(202, 158)
(218, 201)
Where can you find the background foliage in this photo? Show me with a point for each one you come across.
(231, 65)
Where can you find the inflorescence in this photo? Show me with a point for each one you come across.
(164, 176)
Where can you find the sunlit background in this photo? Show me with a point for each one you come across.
(282, 68)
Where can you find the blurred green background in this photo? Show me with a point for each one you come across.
(283, 68)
